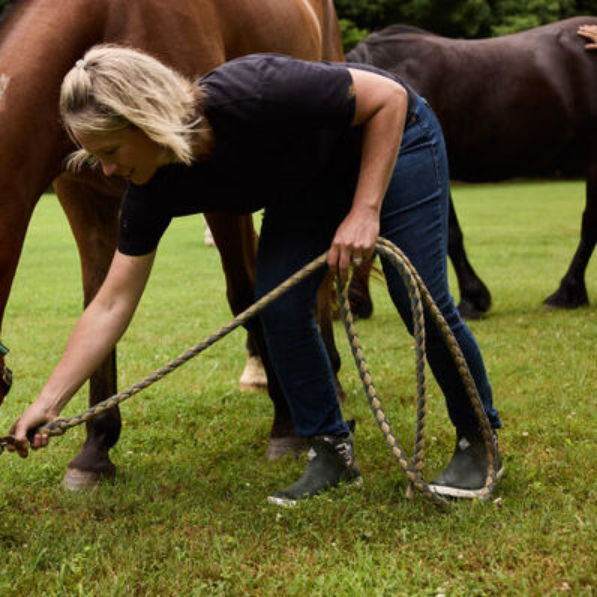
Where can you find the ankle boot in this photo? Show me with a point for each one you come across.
(331, 462)
(465, 475)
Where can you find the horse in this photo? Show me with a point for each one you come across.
(518, 105)
(40, 40)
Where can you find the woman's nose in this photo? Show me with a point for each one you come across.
(109, 168)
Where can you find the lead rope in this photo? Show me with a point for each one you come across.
(419, 298)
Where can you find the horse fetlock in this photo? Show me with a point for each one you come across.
(253, 377)
(284, 446)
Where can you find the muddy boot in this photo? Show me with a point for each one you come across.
(331, 462)
(464, 477)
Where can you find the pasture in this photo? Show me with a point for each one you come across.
(187, 512)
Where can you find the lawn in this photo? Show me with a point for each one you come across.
(187, 513)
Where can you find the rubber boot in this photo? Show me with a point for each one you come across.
(331, 462)
(465, 475)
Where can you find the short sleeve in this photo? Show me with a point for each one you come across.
(271, 89)
(142, 223)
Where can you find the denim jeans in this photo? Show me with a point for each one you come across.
(414, 216)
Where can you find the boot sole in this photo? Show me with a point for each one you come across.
(457, 492)
(290, 502)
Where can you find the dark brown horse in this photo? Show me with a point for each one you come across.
(39, 42)
(518, 105)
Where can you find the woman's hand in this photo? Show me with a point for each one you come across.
(96, 333)
(354, 241)
(589, 32)
(380, 108)
(35, 416)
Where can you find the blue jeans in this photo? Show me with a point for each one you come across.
(414, 216)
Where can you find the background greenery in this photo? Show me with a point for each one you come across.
(187, 513)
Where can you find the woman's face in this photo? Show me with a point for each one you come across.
(128, 153)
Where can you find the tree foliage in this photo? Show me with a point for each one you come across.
(456, 18)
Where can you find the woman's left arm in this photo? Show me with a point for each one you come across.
(381, 107)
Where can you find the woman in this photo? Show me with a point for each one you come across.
(314, 144)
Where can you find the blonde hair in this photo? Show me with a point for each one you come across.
(115, 87)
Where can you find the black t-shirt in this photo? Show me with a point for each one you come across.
(283, 140)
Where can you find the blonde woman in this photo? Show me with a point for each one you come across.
(316, 145)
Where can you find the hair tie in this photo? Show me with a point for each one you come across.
(81, 64)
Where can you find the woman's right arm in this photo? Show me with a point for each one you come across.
(98, 330)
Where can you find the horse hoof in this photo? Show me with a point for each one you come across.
(566, 299)
(253, 377)
(78, 481)
(468, 311)
(281, 446)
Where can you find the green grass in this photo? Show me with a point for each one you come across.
(187, 513)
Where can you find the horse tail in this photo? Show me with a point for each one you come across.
(332, 36)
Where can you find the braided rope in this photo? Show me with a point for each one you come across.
(403, 265)
(419, 298)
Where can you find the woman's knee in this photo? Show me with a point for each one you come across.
(287, 316)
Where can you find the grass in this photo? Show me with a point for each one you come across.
(187, 513)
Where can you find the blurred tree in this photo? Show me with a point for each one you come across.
(453, 18)
(510, 16)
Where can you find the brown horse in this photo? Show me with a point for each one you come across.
(39, 42)
(518, 105)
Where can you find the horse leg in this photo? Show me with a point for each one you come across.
(572, 292)
(237, 243)
(359, 296)
(93, 218)
(13, 226)
(475, 298)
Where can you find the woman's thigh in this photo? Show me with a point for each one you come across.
(415, 209)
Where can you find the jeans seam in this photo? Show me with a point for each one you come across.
(433, 146)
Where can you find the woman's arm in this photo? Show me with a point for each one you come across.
(381, 106)
(94, 336)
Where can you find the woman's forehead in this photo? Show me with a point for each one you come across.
(95, 142)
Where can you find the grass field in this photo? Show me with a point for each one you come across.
(187, 513)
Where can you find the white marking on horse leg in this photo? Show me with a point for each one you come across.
(4, 81)
(253, 377)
